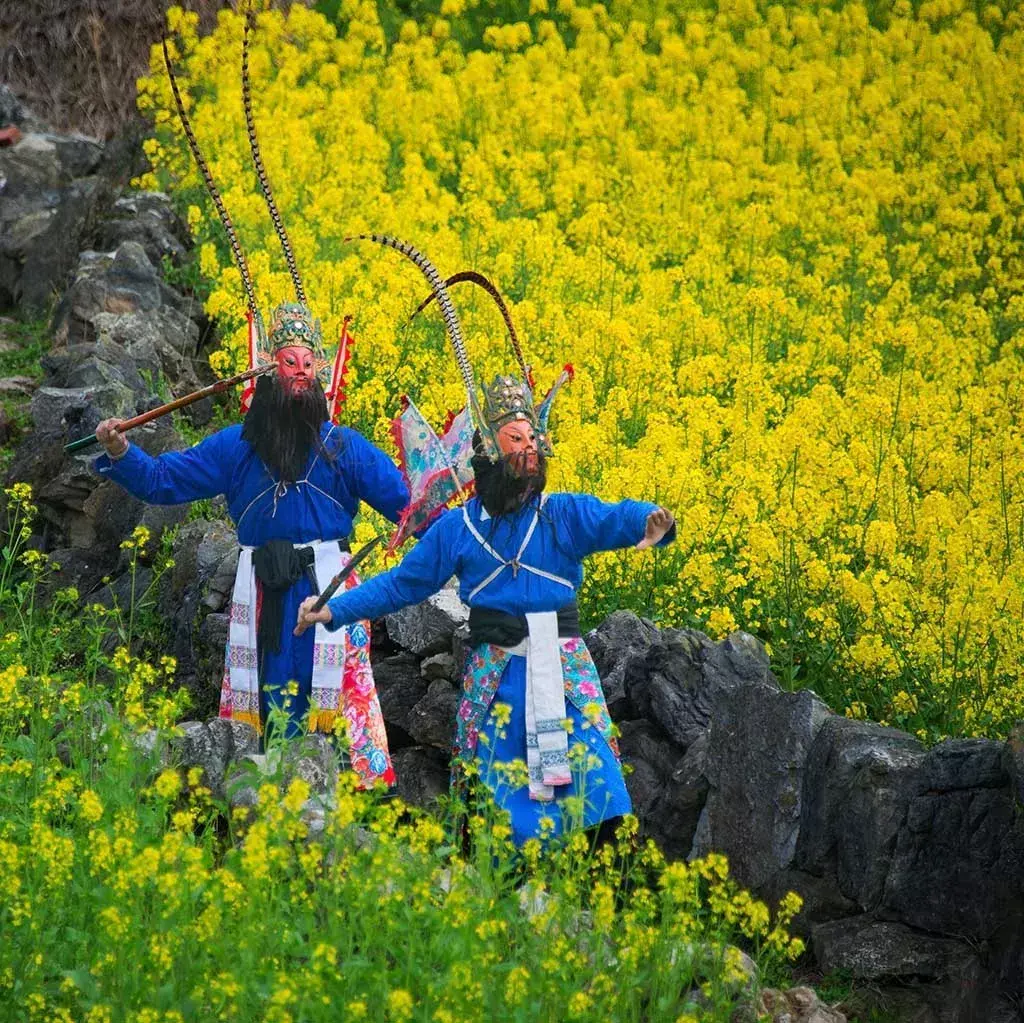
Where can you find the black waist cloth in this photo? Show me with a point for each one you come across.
(279, 566)
(489, 626)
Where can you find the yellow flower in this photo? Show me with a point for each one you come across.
(399, 1004)
(167, 784)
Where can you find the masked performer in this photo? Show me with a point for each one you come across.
(517, 552)
(293, 482)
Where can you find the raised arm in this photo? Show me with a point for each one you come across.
(172, 478)
(423, 571)
(596, 525)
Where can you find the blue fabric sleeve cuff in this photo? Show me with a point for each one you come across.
(335, 605)
(106, 466)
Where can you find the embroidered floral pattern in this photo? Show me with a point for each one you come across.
(485, 666)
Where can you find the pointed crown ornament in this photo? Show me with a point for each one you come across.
(509, 398)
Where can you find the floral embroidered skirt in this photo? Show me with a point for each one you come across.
(492, 725)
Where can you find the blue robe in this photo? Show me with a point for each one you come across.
(571, 526)
(319, 507)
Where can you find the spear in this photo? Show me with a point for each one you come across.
(171, 406)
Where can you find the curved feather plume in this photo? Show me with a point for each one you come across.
(218, 202)
(261, 171)
(451, 320)
(478, 278)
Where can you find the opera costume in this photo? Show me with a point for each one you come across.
(293, 480)
(531, 697)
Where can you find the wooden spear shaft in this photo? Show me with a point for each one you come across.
(171, 406)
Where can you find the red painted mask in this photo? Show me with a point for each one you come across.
(296, 368)
(519, 440)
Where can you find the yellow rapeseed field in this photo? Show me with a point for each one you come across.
(781, 247)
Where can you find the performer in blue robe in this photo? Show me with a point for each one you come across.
(518, 554)
(293, 482)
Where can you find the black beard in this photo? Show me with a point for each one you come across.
(506, 485)
(283, 428)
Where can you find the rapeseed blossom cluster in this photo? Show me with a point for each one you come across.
(132, 892)
(780, 245)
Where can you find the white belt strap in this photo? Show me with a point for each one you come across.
(547, 742)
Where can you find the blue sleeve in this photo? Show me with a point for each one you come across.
(177, 476)
(373, 477)
(423, 571)
(596, 525)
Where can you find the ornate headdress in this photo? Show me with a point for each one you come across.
(292, 323)
(508, 398)
(438, 466)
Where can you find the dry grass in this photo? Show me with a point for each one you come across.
(75, 62)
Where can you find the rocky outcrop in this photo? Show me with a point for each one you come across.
(123, 340)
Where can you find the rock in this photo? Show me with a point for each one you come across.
(400, 686)
(439, 666)
(432, 720)
(9, 429)
(211, 746)
(50, 201)
(619, 648)
(871, 949)
(688, 676)
(686, 793)
(963, 828)
(17, 385)
(31, 167)
(422, 773)
(148, 219)
(96, 364)
(205, 554)
(797, 1005)
(859, 781)
(81, 567)
(653, 757)
(314, 759)
(759, 743)
(428, 628)
(79, 155)
(1015, 760)
(122, 284)
(14, 111)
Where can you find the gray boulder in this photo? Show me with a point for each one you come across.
(148, 219)
(429, 627)
(49, 204)
(212, 746)
(205, 555)
(619, 647)
(757, 756)
(963, 830)
(422, 773)
(857, 787)
(400, 686)
(431, 722)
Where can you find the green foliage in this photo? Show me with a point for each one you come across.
(131, 892)
(22, 345)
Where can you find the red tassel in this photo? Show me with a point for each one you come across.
(250, 385)
(336, 395)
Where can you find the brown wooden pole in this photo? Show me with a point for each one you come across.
(171, 406)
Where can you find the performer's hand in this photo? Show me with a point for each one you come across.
(659, 522)
(116, 444)
(308, 617)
